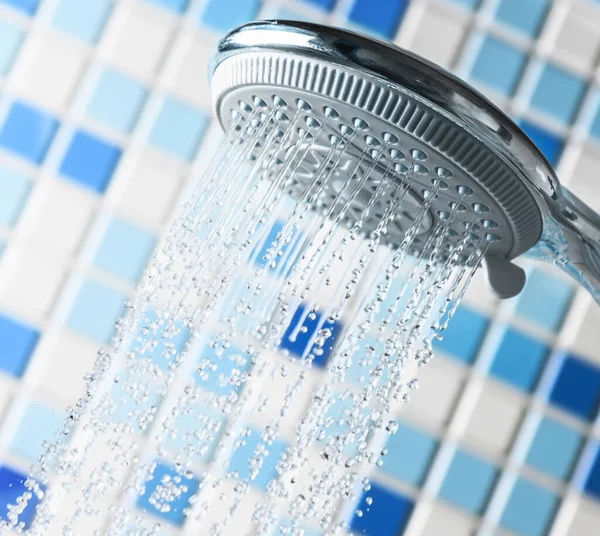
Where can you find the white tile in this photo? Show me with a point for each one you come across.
(578, 40)
(61, 363)
(585, 339)
(47, 70)
(439, 385)
(6, 395)
(136, 38)
(186, 70)
(583, 181)
(444, 520)
(58, 215)
(494, 419)
(30, 281)
(586, 519)
(449, 31)
(146, 187)
(479, 294)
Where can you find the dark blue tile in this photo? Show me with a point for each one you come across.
(550, 144)
(26, 6)
(382, 17)
(90, 161)
(296, 340)
(592, 483)
(28, 132)
(463, 337)
(577, 388)
(518, 360)
(325, 4)
(12, 486)
(387, 515)
(18, 343)
(186, 486)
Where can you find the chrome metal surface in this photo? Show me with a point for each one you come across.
(569, 232)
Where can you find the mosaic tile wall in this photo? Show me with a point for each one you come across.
(104, 113)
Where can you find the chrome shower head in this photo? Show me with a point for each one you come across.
(447, 135)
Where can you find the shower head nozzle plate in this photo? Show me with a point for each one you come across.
(407, 111)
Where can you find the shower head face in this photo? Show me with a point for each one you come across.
(392, 110)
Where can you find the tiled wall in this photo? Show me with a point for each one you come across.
(104, 109)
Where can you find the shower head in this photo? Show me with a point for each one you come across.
(455, 144)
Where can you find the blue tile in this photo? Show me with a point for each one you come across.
(471, 4)
(29, 7)
(410, 452)
(544, 300)
(558, 94)
(550, 144)
(95, 310)
(324, 4)
(592, 483)
(82, 20)
(28, 132)
(554, 448)
(124, 250)
(463, 337)
(18, 343)
(498, 65)
(177, 6)
(12, 486)
(285, 253)
(526, 17)
(178, 129)
(468, 482)
(37, 423)
(229, 366)
(247, 450)
(296, 341)
(187, 488)
(577, 388)
(387, 515)
(90, 161)
(117, 101)
(223, 15)
(518, 360)
(11, 38)
(14, 189)
(529, 509)
(196, 433)
(381, 17)
(169, 337)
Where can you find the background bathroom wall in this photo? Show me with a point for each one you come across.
(104, 116)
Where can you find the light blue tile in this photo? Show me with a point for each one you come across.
(197, 433)
(544, 300)
(14, 189)
(285, 529)
(498, 65)
(28, 7)
(229, 368)
(117, 100)
(28, 132)
(529, 509)
(468, 482)
(518, 360)
(558, 94)
(83, 20)
(124, 250)
(464, 335)
(178, 128)
(90, 161)
(37, 423)
(132, 406)
(526, 17)
(95, 310)
(174, 514)
(364, 359)
(471, 4)
(246, 451)
(554, 448)
(11, 38)
(410, 452)
(223, 15)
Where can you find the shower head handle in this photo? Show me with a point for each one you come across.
(355, 72)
